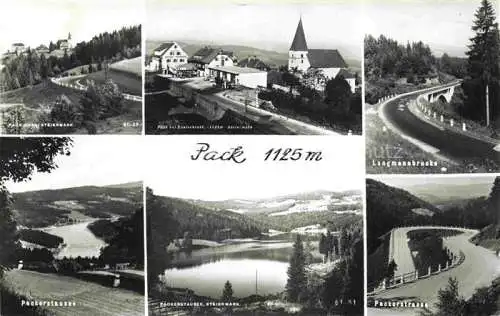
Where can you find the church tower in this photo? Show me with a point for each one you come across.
(70, 44)
(297, 55)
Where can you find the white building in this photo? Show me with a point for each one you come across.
(329, 61)
(207, 57)
(18, 48)
(167, 57)
(244, 76)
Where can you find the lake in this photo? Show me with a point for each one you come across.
(256, 266)
(79, 240)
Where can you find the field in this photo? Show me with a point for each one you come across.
(90, 298)
(132, 66)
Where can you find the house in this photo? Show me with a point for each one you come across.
(211, 57)
(167, 58)
(242, 76)
(42, 49)
(253, 62)
(330, 62)
(64, 44)
(18, 48)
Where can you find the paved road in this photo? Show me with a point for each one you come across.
(400, 252)
(452, 145)
(90, 298)
(284, 123)
(480, 267)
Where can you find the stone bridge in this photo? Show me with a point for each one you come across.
(443, 94)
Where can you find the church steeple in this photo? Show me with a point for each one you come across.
(299, 41)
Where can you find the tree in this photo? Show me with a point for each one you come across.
(391, 269)
(296, 271)
(449, 302)
(227, 292)
(9, 243)
(494, 199)
(62, 111)
(338, 95)
(483, 65)
(13, 120)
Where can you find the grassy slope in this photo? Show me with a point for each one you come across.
(91, 298)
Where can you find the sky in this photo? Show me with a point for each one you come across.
(270, 26)
(446, 183)
(35, 22)
(445, 25)
(341, 169)
(94, 160)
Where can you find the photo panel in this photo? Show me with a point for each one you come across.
(432, 87)
(433, 244)
(72, 221)
(274, 229)
(253, 68)
(77, 73)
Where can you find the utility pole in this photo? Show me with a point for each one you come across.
(255, 281)
(487, 105)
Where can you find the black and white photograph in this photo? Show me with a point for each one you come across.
(432, 89)
(71, 67)
(71, 225)
(255, 238)
(229, 67)
(433, 245)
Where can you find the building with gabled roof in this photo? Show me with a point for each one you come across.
(211, 57)
(168, 57)
(330, 62)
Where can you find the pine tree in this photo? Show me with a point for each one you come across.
(227, 292)
(9, 243)
(449, 302)
(483, 69)
(296, 271)
(494, 199)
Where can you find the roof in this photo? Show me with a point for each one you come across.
(252, 62)
(299, 40)
(164, 46)
(346, 74)
(18, 44)
(326, 58)
(237, 70)
(206, 54)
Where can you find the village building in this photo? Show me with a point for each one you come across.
(167, 58)
(208, 57)
(239, 76)
(329, 62)
(42, 49)
(18, 48)
(65, 44)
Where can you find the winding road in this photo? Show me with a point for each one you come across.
(430, 137)
(479, 268)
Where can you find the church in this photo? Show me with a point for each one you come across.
(329, 61)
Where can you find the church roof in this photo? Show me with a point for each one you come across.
(345, 74)
(299, 40)
(326, 58)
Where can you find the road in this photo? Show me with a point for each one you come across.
(439, 141)
(90, 298)
(480, 267)
(400, 252)
(289, 125)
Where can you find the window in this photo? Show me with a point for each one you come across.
(171, 53)
(216, 59)
(175, 46)
(301, 55)
(302, 61)
(226, 59)
(175, 60)
(168, 60)
(178, 53)
(181, 60)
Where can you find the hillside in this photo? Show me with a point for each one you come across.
(270, 57)
(389, 207)
(48, 207)
(204, 223)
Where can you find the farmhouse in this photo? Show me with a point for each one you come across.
(18, 48)
(42, 49)
(328, 61)
(168, 57)
(207, 57)
(244, 76)
(64, 44)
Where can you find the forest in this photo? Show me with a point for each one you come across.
(40, 237)
(32, 68)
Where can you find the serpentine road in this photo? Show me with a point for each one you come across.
(480, 267)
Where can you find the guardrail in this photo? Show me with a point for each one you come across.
(81, 87)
